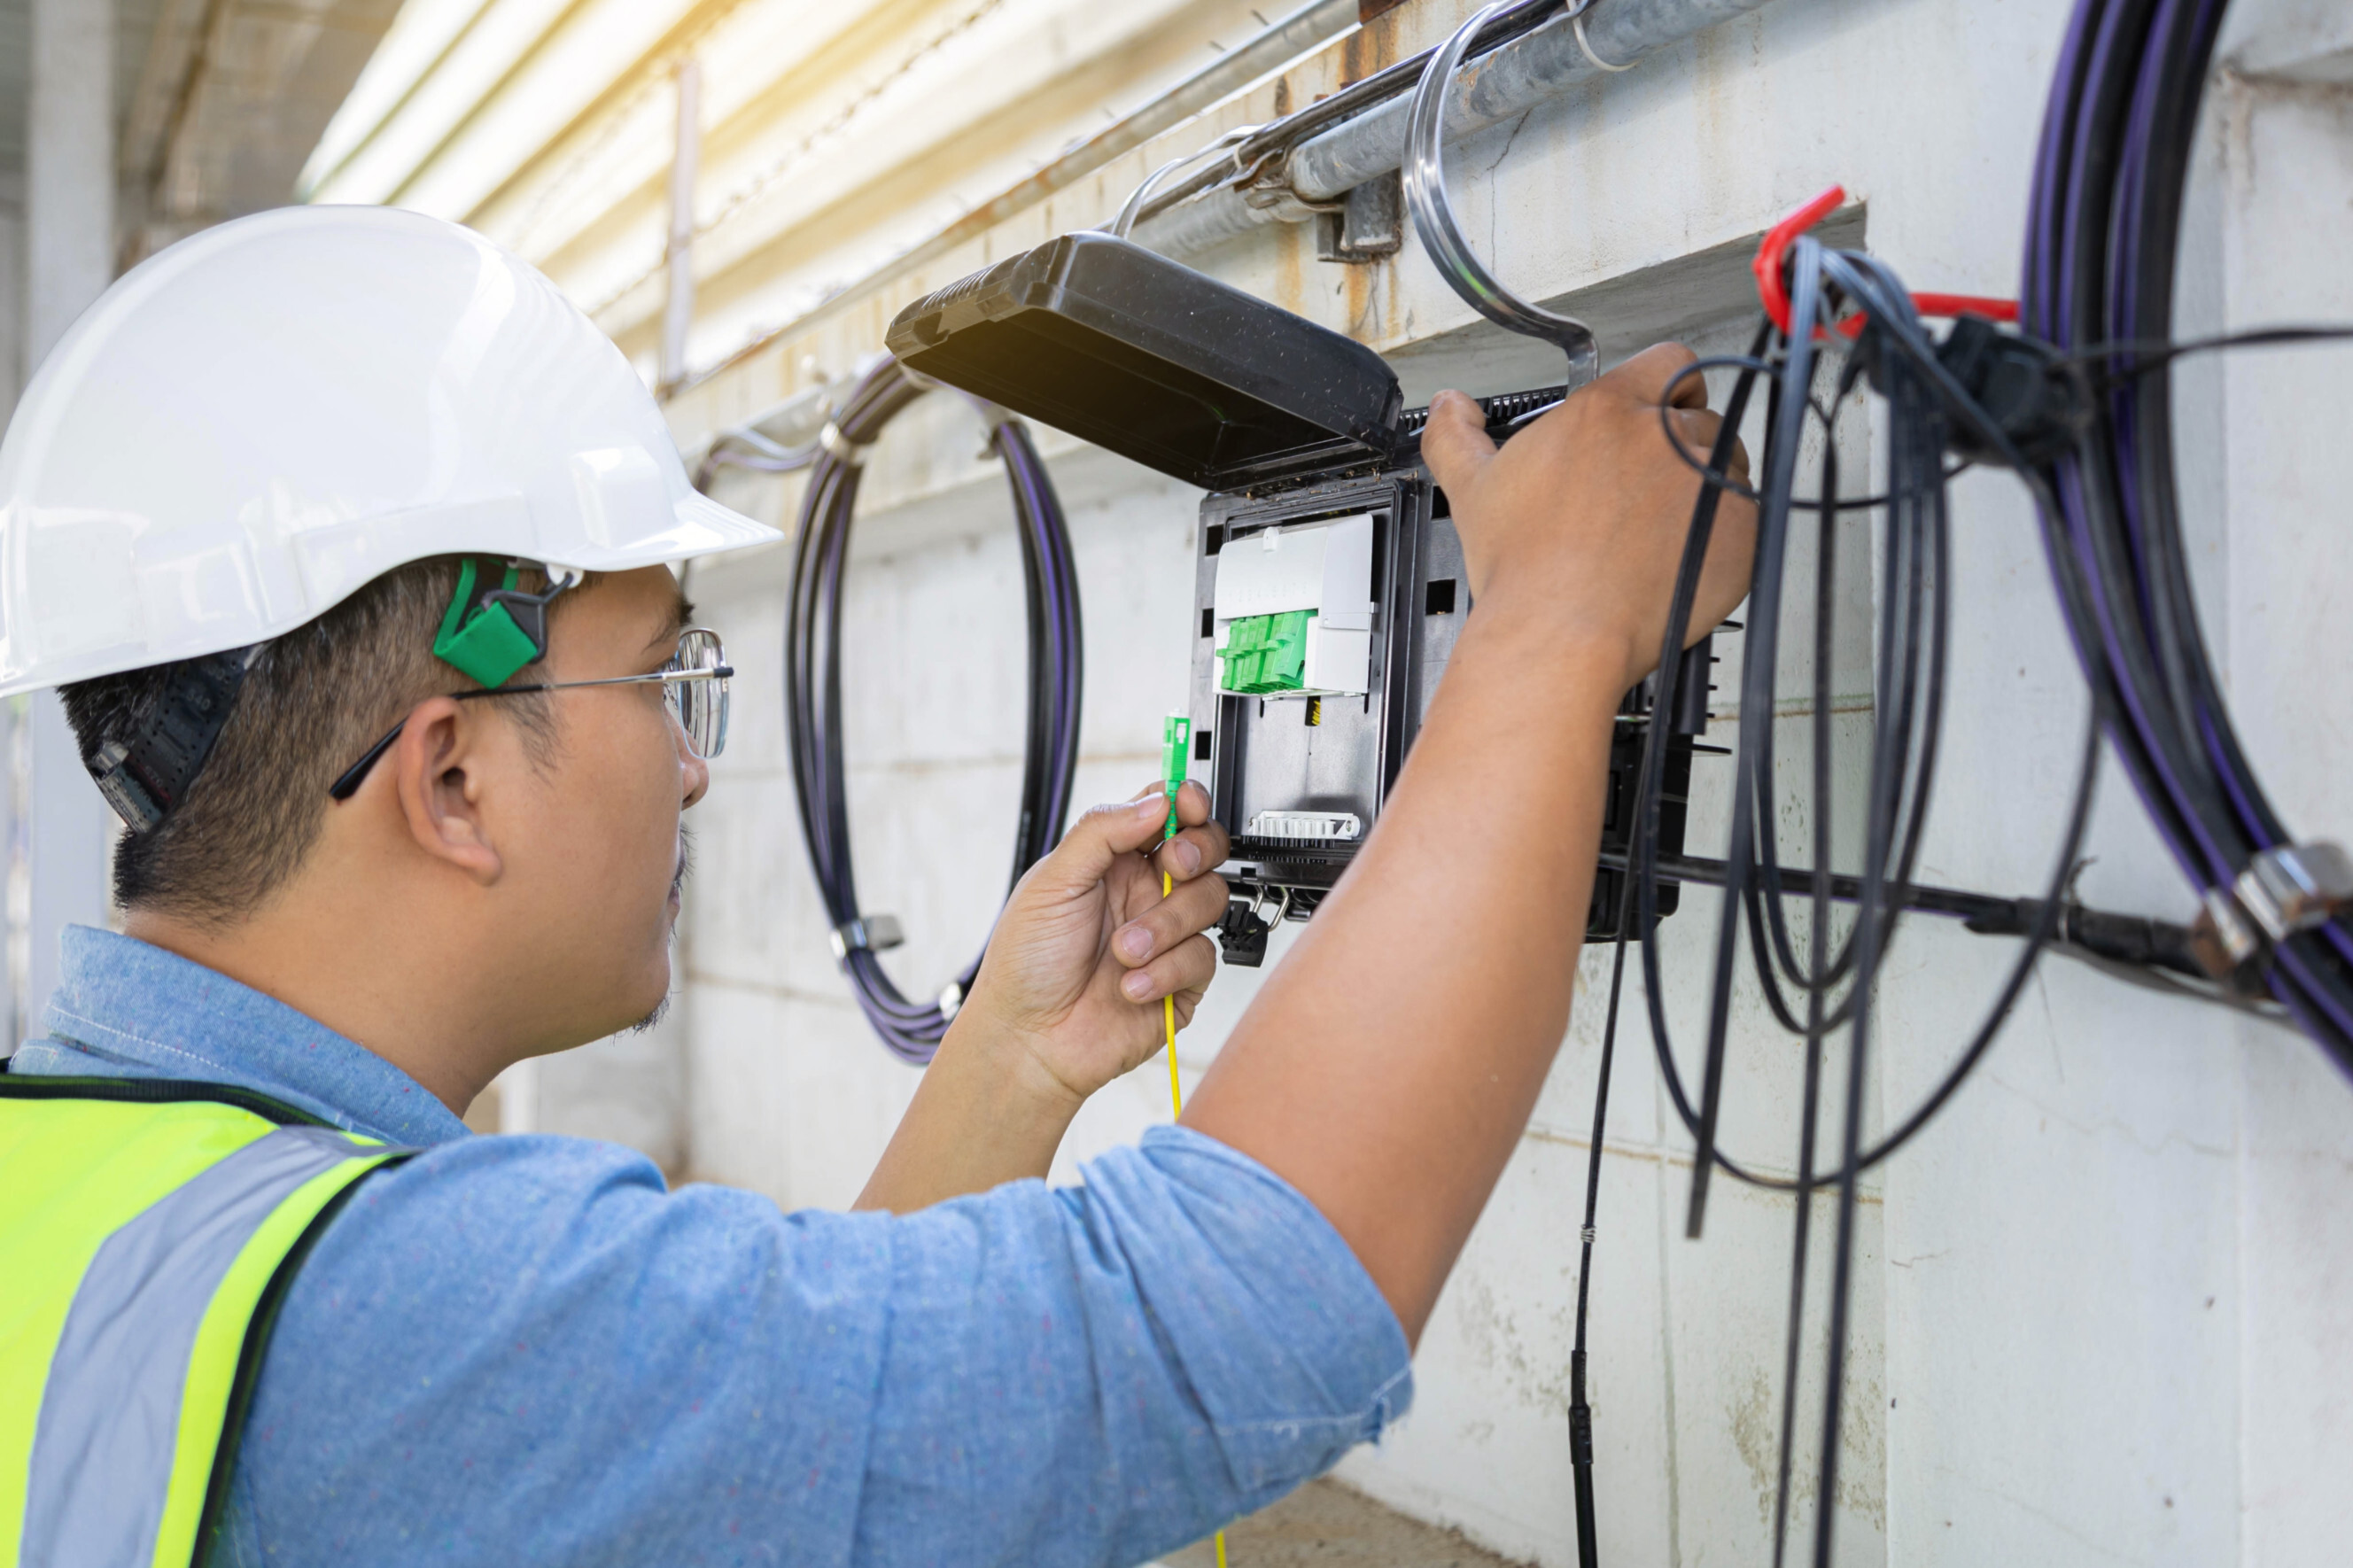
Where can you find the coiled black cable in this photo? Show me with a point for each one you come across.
(1923, 405)
(911, 1030)
(1913, 641)
(2103, 240)
(1923, 408)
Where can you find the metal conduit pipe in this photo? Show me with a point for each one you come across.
(1489, 90)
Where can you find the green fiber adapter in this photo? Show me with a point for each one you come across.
(1176, 758)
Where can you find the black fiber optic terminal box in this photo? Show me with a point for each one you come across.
(1328, 581)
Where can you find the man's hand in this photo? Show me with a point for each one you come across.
(1068, 998)
(1087, 947)
(1576, 518)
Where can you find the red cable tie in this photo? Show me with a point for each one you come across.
(1775, 293)
(1966, 305)
(1778, 240)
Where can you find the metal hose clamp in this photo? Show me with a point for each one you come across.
(1132, 208)
(868, 934)
(1576, 25)
(2285, 890)
(1433, 214)
(841, 447)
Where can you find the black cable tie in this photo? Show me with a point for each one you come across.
(2038, 397)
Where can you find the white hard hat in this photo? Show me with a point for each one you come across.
(253, 424)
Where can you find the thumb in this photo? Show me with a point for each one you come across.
(1454, 443)
(1087, 851)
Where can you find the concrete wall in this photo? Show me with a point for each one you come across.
(2102, 1312)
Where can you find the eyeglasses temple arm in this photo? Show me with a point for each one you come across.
(348, 785)
(716, 672)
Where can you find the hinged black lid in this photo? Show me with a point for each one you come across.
(1134, 351)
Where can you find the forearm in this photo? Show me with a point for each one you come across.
(1420, 1010)
(1069, 997)
(982, 1116)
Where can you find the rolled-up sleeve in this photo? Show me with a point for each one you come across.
(523, 1349)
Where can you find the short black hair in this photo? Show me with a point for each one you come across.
(312, 701)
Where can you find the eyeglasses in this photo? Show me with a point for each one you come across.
(694, 688)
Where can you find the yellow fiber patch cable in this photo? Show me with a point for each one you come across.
(1176, 745)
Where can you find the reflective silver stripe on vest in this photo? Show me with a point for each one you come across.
(110, 1424)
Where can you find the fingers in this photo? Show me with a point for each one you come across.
(1193, 851)
(1189, 966)
(1194, 906)
(1644, 377)
(1697, 428)
(1097, 840)
(1724, 581)
(1454, 442)
(1737, 464)
(1192, 803)
(1203, 843)
(1700, 430)
(1192, 800)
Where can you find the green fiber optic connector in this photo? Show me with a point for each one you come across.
(1265, 654)
(1176, 757)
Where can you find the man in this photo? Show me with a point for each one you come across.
(348, 541)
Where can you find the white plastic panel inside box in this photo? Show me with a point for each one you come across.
(1326, 568)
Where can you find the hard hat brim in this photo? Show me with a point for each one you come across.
(698, 527)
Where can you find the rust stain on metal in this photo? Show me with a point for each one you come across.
(1290, 282)
(1381, 31)
(1352, 58)
(1357, 288)
(1369, 48)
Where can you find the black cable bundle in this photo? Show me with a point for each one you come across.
(2103, 238)
(913, 1030)
(1927, 411)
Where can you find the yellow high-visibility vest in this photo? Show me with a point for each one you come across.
(148, 1230)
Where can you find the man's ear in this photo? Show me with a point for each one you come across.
(442, 767)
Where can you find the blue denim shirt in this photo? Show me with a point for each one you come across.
(525, 1350)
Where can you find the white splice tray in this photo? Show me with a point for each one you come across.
(1308, 826)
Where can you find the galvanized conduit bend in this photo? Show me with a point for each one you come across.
(1488, 92)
